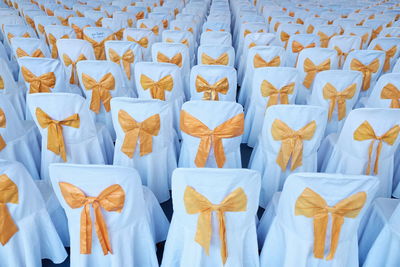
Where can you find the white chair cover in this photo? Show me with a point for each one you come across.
(144, 37)
(216, 38)
(290, 240)
(203, 78)
(36, 238)
(181, 249)
(155, 167)
(11, 31)
(285, 31)
(156, 26)
(182, 37)
(391, 47)
(116, 26)
(134, 221)
(55, 32)
(363, 32)
(95, 15)
(266, 152)
(311, 24)
(347, 85)
(344, 44)
(29, 46)
(220, 55)
(390, 32)
(97, 36)
(164, 17)
(63, 15)
(79, 23)
(297, 43)
(211, 25)
(212, 114)
(384, 93)
(326, 33)
(41, 22)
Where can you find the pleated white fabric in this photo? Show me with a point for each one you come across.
(181, 249)
(290, 240)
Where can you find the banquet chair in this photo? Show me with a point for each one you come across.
(55, 32)
(126, 54)
(344, 22)
(225, 127)
(153, 25)
(41, 22)
(259, 57)
(80, 9)
(150, 124)
(163, 17)
(360, 131)
(69, 133)
(216, 26)
(213, 82)
(285, 31)
(363, 32)
(273, 150)
(109, 10)
(216, 55)
(193, 239)
(336, 91)
(245, 29)
(28, 234)
(385, 93)
(326, 33)
(279, 20)
(301, 232)
(127, 19)
(79, 23)
(124, 211)
(185, 25)
(391, 47)
(270, 86)
(116, 26)
(310, 62)
(29, 47)
(298, 43)
(216, 38)
(143, 37)
(22, 31)
(97, 36)
(10, 20)
(100, 81)
(344, 44)
(162, 81)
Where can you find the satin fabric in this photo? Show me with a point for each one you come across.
(211, 91)
(39, 84)
(330, 93)
(126, 59)
(157, 88)
(100, 90)
(8, 194)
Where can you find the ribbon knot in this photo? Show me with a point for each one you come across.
(39, 84)
(274, 94)
(100, 90)
(367, 70)
(157, 88)
(194, 127)
(388, 55)
(311, 70)
(311, 205)
(291, 142)
(195, 203)
(366, 132)
(8, 194)
(389, 91)
(259, 62)
(127, 59)
(110, 199)
(138, 131)
(330, 92)
(98, 47)
(69, 62)
(223, 59)
(143, 42)
(176, 59)
(210, 92)
(21, 53)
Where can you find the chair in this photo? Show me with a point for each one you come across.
(194, 238)
(126, 221)
(363, 32)
(26, 224)
(29, 47)
(143, 37)
(11, 31)
(270, 86)
(97, 16)
(344, 44)
(155, 26)
(326, 33)
(285, 31)
(337, 92)
(213, 82)
(300, 234)
(164, 17)
(391, 47)
(311, 23)
(63, 15)
(385, 93)
(150, 124)
(116, 26)
(225, 127)
(97, 37)
(182, 37)
(216, 55)
(371, 136)
(216, 38)
(79, 23)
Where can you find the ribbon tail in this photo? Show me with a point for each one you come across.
(204, 230)
(331, 108)
(203, 151)
(129, 144)
(127, 68)
(219, 152)
(378, 153)
(95, 102)
(101, 229)
(146, 144)
(297, 155)
(337, 222)
(371, 146)
(273, 100)
(3, 143)
(7, 225)
(86, 231)
(308, 79)
(367, 80)
(222, 236)
(106, 97)
(320, 225)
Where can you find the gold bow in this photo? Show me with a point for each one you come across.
(139, 15)
(292, 143)
(55, 138)
(177, 59)
(119, 34)
(37, 53)
(341, 54)
(312, 205)
(210, 92)
(259, 62)
(299, 21)
(366, 132)
(64, 21)
(98, 47)
(274, 94)
(389, 91)
(194, 127)
(184, 41)
(388, 55)
(376, 32)
(310, 29)
(53, 44)
(285, 38)
(30, 21)
(298, 47)
(195, 202)
(311, 70)
(78, 31)
(10, 35)
(138, 131)
(154, 29)
(68, 61)
(367, 70)
(100, 90)
(330, 92)
(223, 59)
(111, 199)
(3, 122)
(8, 194)
(276, 26)
(143, 42)
(1, 83)
(325, 39)
(41, 84)
(157, 89)
(127, 59)
(165, 23)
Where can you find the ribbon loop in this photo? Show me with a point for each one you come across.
(157, 89)
(176, 59)
(39, 84)
(127, 59)
(143, 42)
(388, 55)
(274, 94)
(100, 90)
(367, 70)
(69, 62)
(21, 53)
(330, 92)
(210, 92)
(259, 62)
(223, 59)
(389, 91)
(311, 70)
(8, 194)
(324, 38)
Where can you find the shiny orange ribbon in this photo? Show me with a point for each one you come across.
(110, 199)
(64, 21)
(99, 22)
(78, 31)
(155, 29)
(195, 203)
(8, 194)
(298, 47)
(376, 32)
(259, 62)
(310, 29)
(139, 15)
(291, 143)
(366, 132)
(143, 42)
(210, 92)
(157, 89)
(98, 47)
(233, 127)
(388, 55)
(30, 21)
(223, 59)
(176, 59)
(55, 138)
(285, 38)
(341, 54)
(10, 35)
(364, 38)
(184, 41)
(3, 122)
(165, 23)
(299, 21)
(389, 91)
(119, 34)
(53, 44)
(100, 90)
(127, 59)
(274, 94)
(367, 70)
(330, 92)
(39, 84)
(325, 39)
(311, 70)
(276, 26)
(312, 205)
(41, 28)
(1, 83)
(138, 131)
(22, 53)
(68, 62)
